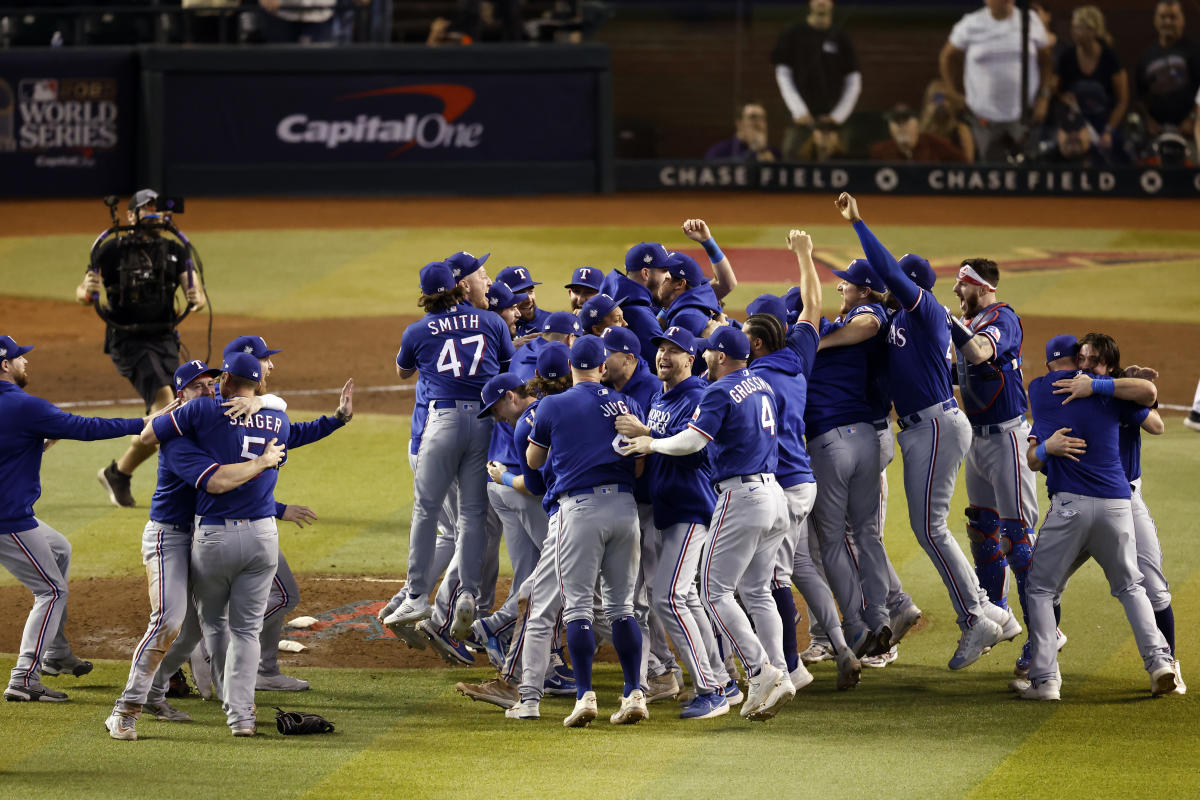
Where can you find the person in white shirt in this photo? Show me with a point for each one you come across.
(986, 46)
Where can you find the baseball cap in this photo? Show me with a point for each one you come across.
(243, 365)
(141, 198)
(554, 361)
(729, 340)
(1061, 346)
(588, 352)
(768, 304)
(681, 265)
(517, 279)
(562, 322)
(901, 112)
(437, 277)
(596, 309)
(588, 277)
(463, 264)
(190, 370)
(919, 270)
(500, 297)
(646, 254)
(10, 349)
(860, 273)
(795, 304)
(254, 345)
(619, 339)
(680, 337)
(494, 390)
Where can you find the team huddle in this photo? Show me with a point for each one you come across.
(661, 476)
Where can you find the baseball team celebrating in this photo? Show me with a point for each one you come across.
(661, 476)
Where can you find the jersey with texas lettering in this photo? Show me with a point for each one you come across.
(918, 340)
(993, 391)
(839, 387)
(737, 414)
(456, 351)
(680, 486)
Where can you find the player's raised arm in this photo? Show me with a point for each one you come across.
(724, 280)
(800, 243)
(880, 259)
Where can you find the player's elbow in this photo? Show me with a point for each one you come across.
(1154, 425)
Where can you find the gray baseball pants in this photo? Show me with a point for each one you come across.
(451, 586)
(40, 558)
(657, 658)
(536, 631)
(674, 585)
(524, 523)
(284, 596)
(803, 573)
(600, 537)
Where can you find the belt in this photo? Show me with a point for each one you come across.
(607, 488)
(880, 424)
(222, 521)
(467, 404)
(924, 414)
(998, 428)
(737, 480)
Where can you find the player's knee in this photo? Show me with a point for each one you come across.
(1019, 544)
(1160, 599)
(981, 522)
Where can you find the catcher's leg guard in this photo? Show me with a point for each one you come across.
(1018, 543)
(983, 529)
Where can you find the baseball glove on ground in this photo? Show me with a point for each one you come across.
(295, 723)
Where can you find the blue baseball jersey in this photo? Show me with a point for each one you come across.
(181, 466)
(641, 313)
(25, 423)
(879, 392)
(525, 327)
(738, 415)
(692, 309)
(578, 428)
(534, 480)
(1096, 420)
(994, 391)
(1130, 440)
(456, 351)
(502, 447)
(839, 387)
(420, 413)
(524, 363)
(787, 371)
(642, 385)
(681, 486)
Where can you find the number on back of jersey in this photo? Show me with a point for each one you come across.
(450, 361)
(768, 415)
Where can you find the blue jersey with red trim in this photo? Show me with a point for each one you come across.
(787, 370)
(578, 427)
(456, 351)
(1130, 440)
(839, 386)
(181, 465)
(737, 415)
(918, 340)
(535, 480)
(528, 326)
(994, 391)
(680, 486)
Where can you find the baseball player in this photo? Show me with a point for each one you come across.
(600, 312)
(560, 326)
(737, 415)
(598, 533)
(630, 290)
(934, 436)
(506, 303)
(1000, 486)
(585, 283)
(683, 499)
(33, 552)
(685, 295)
(1089, 511)
(530, 318)
(456, 349)
(166, 551)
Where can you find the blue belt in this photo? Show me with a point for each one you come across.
(913, 419)
(222, 521)
(577, 492)
(455, 403)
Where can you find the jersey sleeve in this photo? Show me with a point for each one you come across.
(885, 266)
(302, 433)
(407, 357)
(1037, 31)
(1132, 415)
(804, 341)
(534, 482)
(180, 422)
(47, 421)
(710, 414)
(543, 423)
(189, 462)
(1037, 407)
(1005, 334)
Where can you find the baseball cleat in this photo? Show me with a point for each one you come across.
(881, 661)
(391, 605)
(862, 642)
(201, 672)
(1180, 686)
(1006, 619)
(246, 729)
(881, 640)
(491, 643)
(411, 611)
(495, 691)
(1163, 680)
(121, 726)
(279, 683)
(116, 483)
(780, 695)
(975, 641)
(526, 709)
(464, 615)
(409, 635)
(733, 695)
(583, 713)
(705, 706)
(165, 712)
(560, 665)
(450, 649)
(849, 670)
(1192, 420)
(903, 621)
(633, 709)
(768, 679)
(817, 652)
(661, 687)
(558, 684)
(60, 666)
(800, 677)
(1049, 689)
(33, 692)
(1021, 670)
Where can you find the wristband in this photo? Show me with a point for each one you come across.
(507, 479)
(959, 333)
(714, 252)
(1103, 386)
(1040, 452)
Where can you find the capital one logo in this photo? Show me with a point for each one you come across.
(429, 131)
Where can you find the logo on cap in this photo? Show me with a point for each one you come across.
(647, 259)
(248, 349)
(3, 351)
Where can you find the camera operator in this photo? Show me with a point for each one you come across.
(140, 271)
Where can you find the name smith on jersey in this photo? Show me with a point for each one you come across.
(460, 322)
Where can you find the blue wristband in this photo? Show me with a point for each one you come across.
(1103, 386)
(714, 253)
(507, 478)
(1040, 452)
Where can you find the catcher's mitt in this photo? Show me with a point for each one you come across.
(295, 723)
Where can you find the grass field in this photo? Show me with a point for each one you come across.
(913, 730)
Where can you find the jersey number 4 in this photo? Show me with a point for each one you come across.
(768, 415)
(449, 360)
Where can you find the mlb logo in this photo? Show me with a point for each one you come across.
(39, 90)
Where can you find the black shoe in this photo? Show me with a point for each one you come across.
(1193, 421)
(116, 483)
(178, 687)
(34, 692)
(60, 666)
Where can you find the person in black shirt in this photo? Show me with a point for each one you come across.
(1090, 78)
(1168, 73)
(140, 273)
(817, 73)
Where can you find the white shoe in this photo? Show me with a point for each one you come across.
(411, 611)
(816, 653)
(761, 686)
(279, 683)
(661, 687)
(1180, 686)
(201, 672)
(526, 709)
(464, 615)
(975, 641)
(800, 677)
(583, 713)
(1006, 619)
(780, 695)
(632, 711)
(1163, 680)
(1049, 689)
(903, 621)
(1192, 420)
(879, 662)
(121, 726)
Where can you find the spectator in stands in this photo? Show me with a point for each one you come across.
(1168, 74)
(985, 49)
(491, 20)
(1089, 78)
(908, 143)
(942, 115)
(749, 141)
(1056, 44)
(825, 143)
(1073, 142)
(1169, 150)
(311, 25)
(817, 73)
(442, 32)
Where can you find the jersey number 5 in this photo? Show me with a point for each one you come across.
(768, 415)
(449, 361)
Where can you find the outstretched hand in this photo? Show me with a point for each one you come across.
(696, 230)
(848, 206)
(345, 409)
